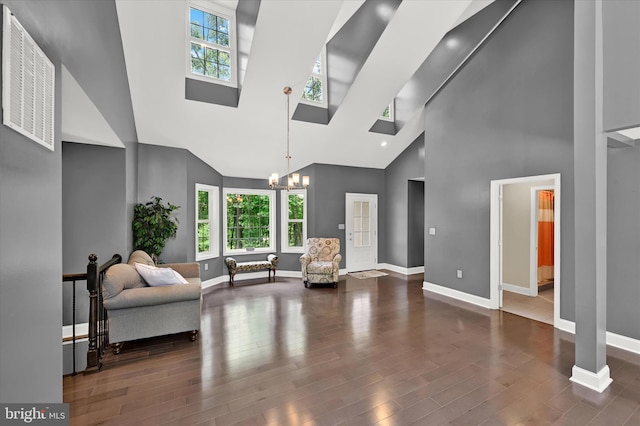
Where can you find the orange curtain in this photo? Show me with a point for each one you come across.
(545, 235)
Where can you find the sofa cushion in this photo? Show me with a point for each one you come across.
(119, 277)
(140, 256)
(159, 276)
(149, 296)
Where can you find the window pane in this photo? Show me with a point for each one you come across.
(197, 51)
(211, 35)
(196, 31)
(296, 206)
(387, 112)
(196, 16)
(365, 209)
(313, 90)
(248, 221)
(203, 205)
(211, 69)
(197, 66)
(357, 224)
(223, 25)
(223, 39)
(203, 237)
(210, 20)
(211, 55)
(223, 58)
(295, 234)
(317, 67)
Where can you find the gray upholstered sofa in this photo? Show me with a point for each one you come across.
(136, 310)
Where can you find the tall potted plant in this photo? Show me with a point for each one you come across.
(153, 224)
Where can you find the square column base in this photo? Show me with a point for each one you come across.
(596, 381)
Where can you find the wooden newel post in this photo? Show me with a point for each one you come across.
(92, 286)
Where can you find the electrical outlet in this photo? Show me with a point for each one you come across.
(206, 266)
(459, 273)
(432, 231)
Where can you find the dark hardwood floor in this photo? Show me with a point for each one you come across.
(374, 351)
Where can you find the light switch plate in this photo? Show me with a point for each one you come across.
(432, 231)
(341, 226)
(459, 273)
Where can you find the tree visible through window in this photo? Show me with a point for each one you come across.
(315, 87)
(249, 220)
(210, 44)
(207, 244)
(294, 221)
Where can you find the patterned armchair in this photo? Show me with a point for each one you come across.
(321, 263)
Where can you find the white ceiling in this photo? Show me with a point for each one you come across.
(250, 141)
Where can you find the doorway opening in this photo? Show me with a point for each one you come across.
(525, 247)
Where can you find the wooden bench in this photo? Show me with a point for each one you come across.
(270, 264)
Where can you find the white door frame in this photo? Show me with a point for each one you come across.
(495, 251)
(374, 221)
(533, 262)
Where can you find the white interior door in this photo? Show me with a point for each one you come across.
(361, 231)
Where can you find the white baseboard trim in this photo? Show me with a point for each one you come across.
(616, 340)
(517, 289)
(623, 342)
(290, 274)
(401, 269)
(82, 329)
(597, 381)
(566, 325)
(456, 294)
(214, 281)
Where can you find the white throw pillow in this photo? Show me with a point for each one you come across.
(155, 276)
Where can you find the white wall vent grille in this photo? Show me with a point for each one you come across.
(28, 84)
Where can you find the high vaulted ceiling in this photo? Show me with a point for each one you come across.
(250, 140)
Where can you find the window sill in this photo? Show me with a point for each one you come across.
(247, 252)
(207, 256)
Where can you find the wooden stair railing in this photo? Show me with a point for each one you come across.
(98, 335)
(98, 326)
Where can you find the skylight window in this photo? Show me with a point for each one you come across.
(387, 114)
(314, 92)
(212, 49)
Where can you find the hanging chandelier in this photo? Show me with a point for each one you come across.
(293, 180)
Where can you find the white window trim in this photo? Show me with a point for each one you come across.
(323, 78)
(392, 113)
(214, 214)
(224, 12)
(272, 220)
(284, 223)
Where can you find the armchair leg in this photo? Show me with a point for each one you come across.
(193, 335)
(117, 347)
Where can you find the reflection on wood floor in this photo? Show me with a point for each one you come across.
(373, 351)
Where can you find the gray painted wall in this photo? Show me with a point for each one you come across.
(623, 235)
(326, 208)
(408, 165)
(94, 217)
(31, 260)
(621, 63)
(171, 173)
(162, 172)
(502, 116)
(200, 172)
